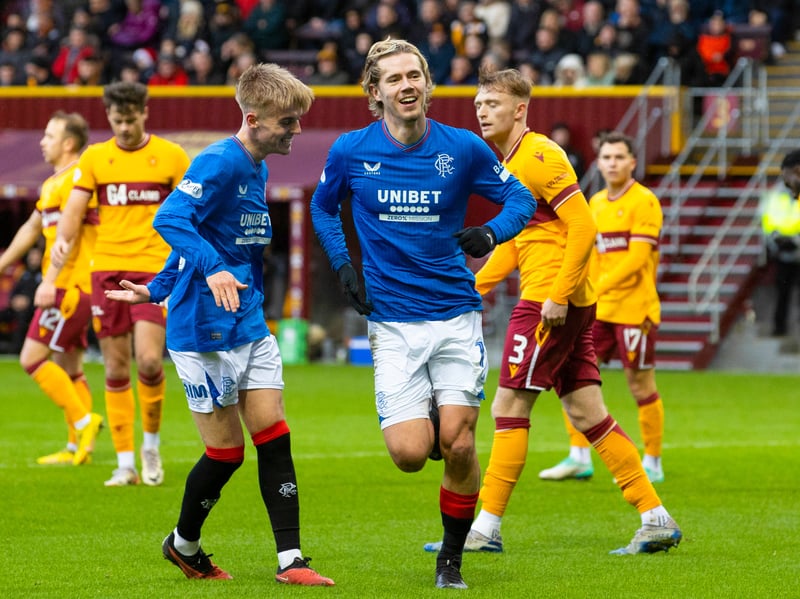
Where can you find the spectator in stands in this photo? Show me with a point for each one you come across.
(13, 49)
(138, 28)
(145, 59)
(100, 16)
(9, 75)
(91, 70)
(628, 69)
(202, 70)
(599, 69)
(44, 39)
(461, 72)
(496, 57)
(239, 66)
(352, 27)
(606, 40)
(496, 14)
(129, 71)
(223, 23)
(547, 54)
(684, 53)
(530, 71)
(239, 44)
(714, 46)
(387, 22)
(522, 25)
(266, 26)
(781, 225)
(474, 49)
(357, 55)
(169, 71)
(327, 70)
(593, 19)
(431, 13)
(562, 135)
(395, 22)
(633, 31)
(671, 20)
(570, 72)
(77, 45)
(438, 50)
(37, 72)
(466, 23)
(189, 29)
(565, 39)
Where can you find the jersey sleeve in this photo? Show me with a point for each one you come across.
(495, 182)
(190, 203)
(161, 285)
(501, 263)
(326, 203)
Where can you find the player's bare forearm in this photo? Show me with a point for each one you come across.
(131, 293)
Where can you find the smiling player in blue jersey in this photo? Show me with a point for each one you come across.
(217, 223)
(409, 179)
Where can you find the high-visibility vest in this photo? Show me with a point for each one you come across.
(780, 213)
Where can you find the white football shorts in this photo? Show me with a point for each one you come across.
(417, 361)
(215, 378)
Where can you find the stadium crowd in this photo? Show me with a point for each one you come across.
(210, 42)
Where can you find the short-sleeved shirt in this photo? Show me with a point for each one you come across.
(634, 216)
(52, 199)
(130, 186)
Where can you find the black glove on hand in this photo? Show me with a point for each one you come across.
(476, 241)
(349, 280)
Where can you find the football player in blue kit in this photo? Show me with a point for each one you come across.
(217, 223)
(409, 179)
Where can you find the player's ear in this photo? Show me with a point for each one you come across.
(251, 118)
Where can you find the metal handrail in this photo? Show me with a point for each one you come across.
(710, 268)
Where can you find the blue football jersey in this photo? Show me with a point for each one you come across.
(407, 201)
(216, 219)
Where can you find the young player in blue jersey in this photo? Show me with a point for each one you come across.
(217, 223)
(409, 179)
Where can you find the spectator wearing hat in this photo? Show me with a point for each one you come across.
(327, 70)
(223, 22)
(570, 72)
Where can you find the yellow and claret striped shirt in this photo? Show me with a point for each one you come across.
(548, 269)
(626, 279)
(130, 186)
(52, 199)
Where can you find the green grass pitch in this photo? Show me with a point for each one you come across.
(731, 458)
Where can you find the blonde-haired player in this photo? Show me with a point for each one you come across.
(52, 353)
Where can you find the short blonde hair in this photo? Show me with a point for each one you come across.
(372, 72)
(269, 89)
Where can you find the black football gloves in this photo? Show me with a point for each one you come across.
(352, 291)
(476, 241)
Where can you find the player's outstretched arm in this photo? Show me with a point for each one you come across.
(131, 293)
